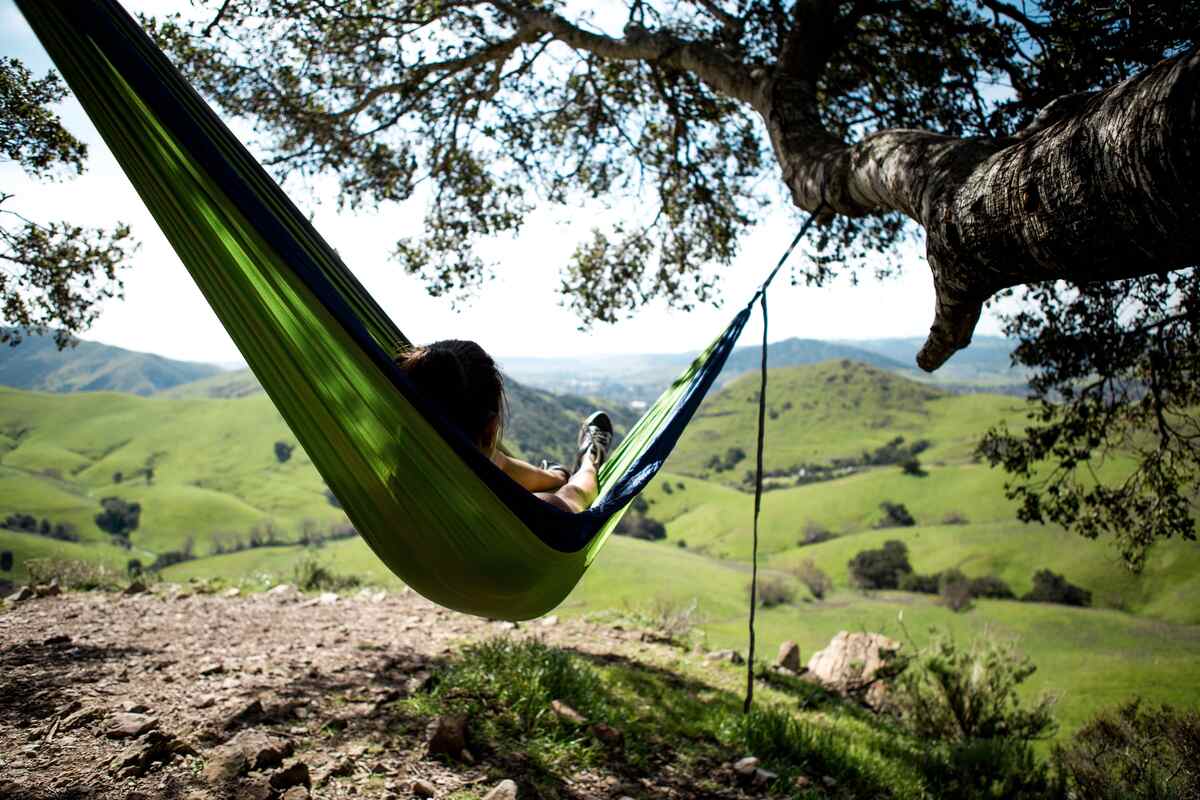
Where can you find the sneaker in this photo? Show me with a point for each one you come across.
(595, 434)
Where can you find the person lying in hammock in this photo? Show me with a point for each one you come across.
(466, 384)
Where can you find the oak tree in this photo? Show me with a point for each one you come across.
(1046, 143)
(54, 274)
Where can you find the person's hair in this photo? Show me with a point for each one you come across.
(463, 381)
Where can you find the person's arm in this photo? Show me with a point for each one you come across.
(532, 478)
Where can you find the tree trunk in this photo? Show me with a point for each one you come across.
(1102, 186)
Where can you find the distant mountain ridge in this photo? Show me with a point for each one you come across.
(37, 364)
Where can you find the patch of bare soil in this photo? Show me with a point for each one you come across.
(277, 695)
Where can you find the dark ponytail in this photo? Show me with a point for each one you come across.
(464, 381)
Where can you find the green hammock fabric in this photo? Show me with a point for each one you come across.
(424, 504)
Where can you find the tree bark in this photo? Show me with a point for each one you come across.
(1101, 187)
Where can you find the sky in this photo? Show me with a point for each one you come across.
(518, 313)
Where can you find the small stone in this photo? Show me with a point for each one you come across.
(295, 793)
(246, 715)
(136, 759)
(51, 589)
(745, 767)
(21, 595)
(789, 656)
(504, 790)
(549, 621)
(294, 774)
(232, 591)
(212, 668)
(60, 638)
(327, 599)
(205, 701)
(801, 782)
(135, 587)
(565, 712)
(732, 656)
(448, 736)
(79, 718)
(136, 708)
(608, 735)
(763, 777)
(129, 726)
(829, 781)
(423, 788)
(505, 625)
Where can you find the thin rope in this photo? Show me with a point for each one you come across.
(761, 297)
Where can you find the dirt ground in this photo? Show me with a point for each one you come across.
(174, 694)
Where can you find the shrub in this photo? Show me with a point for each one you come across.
(921, 584)
(117, 477)
(283, 451)
(639, 504)
(6, 561)
(171, 557)
(818, 583)
(681, 486)
(1050, 587)
(882, 568)
(991, 587)
(265, 534)
(310, 575)
(955, 590)
(954, 518)
(133, 567)
(332, 498)
(682, 544)
(1131, 753)
(673, 618)
(815, 533)
(639, 526)
(73, 574)
(912, 466)
(118, 517)
(895, 515)
(773, 591)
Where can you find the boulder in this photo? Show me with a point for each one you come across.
(20, 595)
(504, 790)
(129, 726)
(852, 664)
(789, 656)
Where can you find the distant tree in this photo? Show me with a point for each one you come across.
(117, 477)
(815, 533)
(283, 451)
(814, 578)
(332, 498)
(773, 591)
(989, 586)
(918, 583)
(895, 515)
(1050, 587)
(639, 504)
(882, 568)
(6, 561)
(118, 517)
(955, 590)
(149, 473)
(53, 275)
(912, 466)
(639, 526)
(133, 567)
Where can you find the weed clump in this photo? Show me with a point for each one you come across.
(774, 591)
(72, 574)
(310, 575)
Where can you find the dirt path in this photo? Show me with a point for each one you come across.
(97, 690)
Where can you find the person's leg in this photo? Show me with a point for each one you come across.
(579, 492)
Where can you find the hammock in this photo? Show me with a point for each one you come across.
(430, 505)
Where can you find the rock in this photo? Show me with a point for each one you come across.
(135, 587)
(506, 625)
(21, 595)
(51, 589)
(135, 759)
(294, 774)
(60, 638)
(249, 750)
(549, 621)
(125, 725)
(851, 663)
(135, 708)
(232, 591)
(565, 712)
(205, 701)
(448, 736)
(608, 735)
(789, 656)
(732, 656)
(212, 668)
(745, 767)
(423, 788)
(248, 714)
(763, 777)
(369, 595)
(253, 787)
(295, 793)
(79, 718)
(327, 599)
(504, 790)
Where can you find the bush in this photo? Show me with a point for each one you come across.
(912, 466)
(681, 544)
(118, 476)
(6, 561)
(27, 523)
(955, 590)
(895, 515)
(815, 533)
(311, 575)
(133, 567)
(818, 583)
(639, 526)
(921, 584)
(639, 504)
(773, 591)
(991, 587)
(118, 517)
(73, 574)
(954, 518)
(882, 568)
(1130, 753)
(171, 557)
(283, 451)
(1050, 587)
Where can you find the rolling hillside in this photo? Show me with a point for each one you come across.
(37, 363)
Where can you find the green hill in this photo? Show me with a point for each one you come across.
(37, 363)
